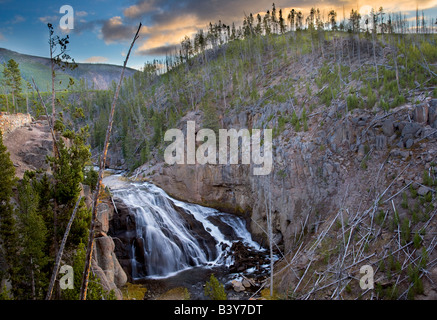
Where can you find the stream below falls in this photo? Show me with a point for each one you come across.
(165, 243)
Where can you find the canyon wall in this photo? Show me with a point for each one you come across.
(336, 163)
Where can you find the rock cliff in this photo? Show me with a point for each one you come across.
(312, 170)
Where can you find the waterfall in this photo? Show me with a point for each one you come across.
(172, 235)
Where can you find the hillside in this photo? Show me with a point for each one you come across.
(354, 154)
(96, 75)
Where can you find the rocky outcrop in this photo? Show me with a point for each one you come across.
(315, 172)
(10, 122)
(106, 266)
(105, 263)
(29, 145)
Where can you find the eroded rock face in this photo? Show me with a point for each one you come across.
(29, 145)
(315, 172)
(105, 262)
(106, 265)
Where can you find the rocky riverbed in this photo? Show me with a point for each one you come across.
(244, 279)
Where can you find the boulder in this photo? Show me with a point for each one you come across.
(410, 130)
(247, 283)
(237, 286)
(388, 128)
(422, 191)
(104, 281)
(420, 113)
(112, 274)
(381, 142)
(409, 143)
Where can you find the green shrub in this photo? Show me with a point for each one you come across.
(426, 178)
(352, 102)
(91, 177)
(413, 192)
(405, 231)
(214, 289)
(379, 219)
(417, 240)
(384, 105)
(399, 100)
(423, 259)
(417, 285)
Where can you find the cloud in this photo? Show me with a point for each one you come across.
(81, 13)
(164, 38)
(163, 41)
(96, 59)
(404, 5)
(17, 19)
(83, 25)
(113, 30)
(158, 51)
(2, 37)
(139, 9)
(49, 19)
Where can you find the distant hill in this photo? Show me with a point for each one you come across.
(99, 74)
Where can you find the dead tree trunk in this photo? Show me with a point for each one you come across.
(61, 250)
(268, 205)
(89, 253)
(374, 55)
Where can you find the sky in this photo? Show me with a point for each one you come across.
(103, 29)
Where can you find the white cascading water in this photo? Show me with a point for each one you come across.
(169, 242)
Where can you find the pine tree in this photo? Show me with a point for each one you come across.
(12, 75)
(266, 23)
(33, 232)
(274, 19)
(5, 84)
(281, 22)
(258, 28)
(332, 15)
(68, 174)
(214, 289)
(299, 20)
(59, 58)
(291, 18)
(8, 231)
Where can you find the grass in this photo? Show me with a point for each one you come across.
(133, 291)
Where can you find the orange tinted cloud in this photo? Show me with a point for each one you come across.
(169, 34)
(138, 9)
